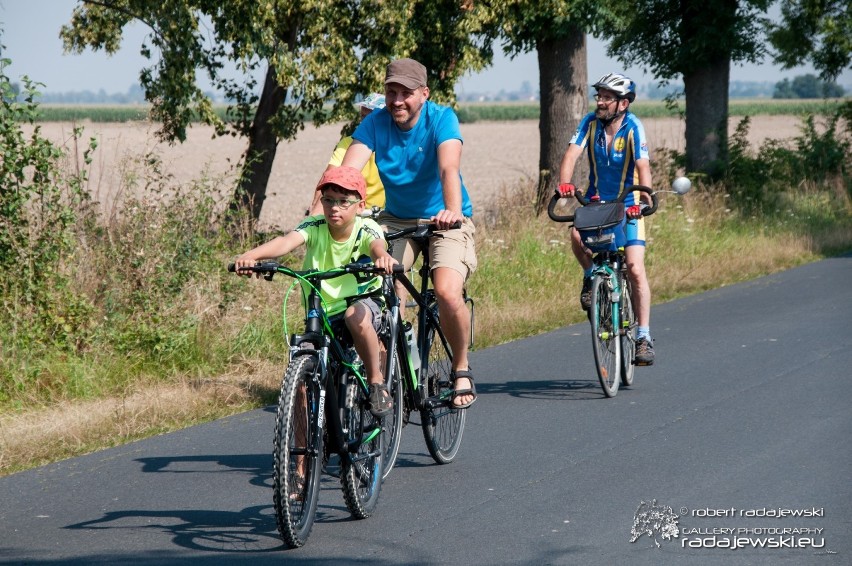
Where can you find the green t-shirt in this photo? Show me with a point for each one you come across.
(322, 252)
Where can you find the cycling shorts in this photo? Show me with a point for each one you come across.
(634, 230)
(454, 249)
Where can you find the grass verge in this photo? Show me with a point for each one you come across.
(88, 401)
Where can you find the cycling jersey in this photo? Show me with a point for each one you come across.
(610, 172)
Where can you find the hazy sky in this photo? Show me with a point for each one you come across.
(31, 36)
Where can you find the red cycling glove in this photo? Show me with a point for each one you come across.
(634, 211)
(566, 190)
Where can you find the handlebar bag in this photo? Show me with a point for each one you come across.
(601, 226)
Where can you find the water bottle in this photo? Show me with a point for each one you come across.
(412, 346)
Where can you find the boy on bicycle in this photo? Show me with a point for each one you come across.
(615, 143)
(337, 237)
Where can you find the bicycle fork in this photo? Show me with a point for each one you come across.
(615, 291)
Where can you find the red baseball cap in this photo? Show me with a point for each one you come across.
(347, 178)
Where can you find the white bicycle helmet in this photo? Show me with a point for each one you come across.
(619, 84)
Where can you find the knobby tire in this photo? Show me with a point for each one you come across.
(361, 475)
(298, 440)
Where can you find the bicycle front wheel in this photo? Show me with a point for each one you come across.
(443, 426)
(606, 338)
(361, 472)
(628, 333)
(296, 450)
(393, 423)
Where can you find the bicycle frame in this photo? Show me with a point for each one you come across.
(318, 341)
(608, 266)
(422, 298)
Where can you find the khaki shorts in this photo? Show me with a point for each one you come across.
(454, 249)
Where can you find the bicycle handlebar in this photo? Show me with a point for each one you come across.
(646, 210)
(421, 231)
(270, 268)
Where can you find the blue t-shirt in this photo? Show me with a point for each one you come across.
(408, 161)
(610, 172)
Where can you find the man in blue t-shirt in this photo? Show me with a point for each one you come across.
(417, 146)
(615, 143)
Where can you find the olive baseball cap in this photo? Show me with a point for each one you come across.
(347, 178)
(407, 72)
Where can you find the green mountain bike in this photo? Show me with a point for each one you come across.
(323, 398)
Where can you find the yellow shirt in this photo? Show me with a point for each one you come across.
(375, 189)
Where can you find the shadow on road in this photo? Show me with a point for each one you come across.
(546, 389)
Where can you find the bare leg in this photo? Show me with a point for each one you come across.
(455, 321)
(580, 252)
(639, 279)
(359, 321)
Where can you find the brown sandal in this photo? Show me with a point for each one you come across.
(455, 374)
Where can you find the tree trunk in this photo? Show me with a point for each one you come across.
(563, 84)
(706, 91)
(251, 189)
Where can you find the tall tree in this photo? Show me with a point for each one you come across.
(556, 29)
(698, 39)
(318, 56)
(819, 31)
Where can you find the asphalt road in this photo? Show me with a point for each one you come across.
(739, 436)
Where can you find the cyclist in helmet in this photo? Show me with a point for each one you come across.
(615, 143)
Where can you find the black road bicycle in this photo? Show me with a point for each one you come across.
(611, 315)
(323, 398)
(418, 369)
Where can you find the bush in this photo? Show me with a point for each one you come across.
(818, 155)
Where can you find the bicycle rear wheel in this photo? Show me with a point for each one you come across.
(361, 472)
(296, 450)
(628, 333)
(606, 339)
(393, 423)
(443, 426)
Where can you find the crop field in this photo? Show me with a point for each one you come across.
(496, 154)
(468, 112)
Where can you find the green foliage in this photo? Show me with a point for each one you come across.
(525, 24)
(817, 155)
(807, 86)
(818, 31)
(40, 206)
(680, 38)
(317, 62)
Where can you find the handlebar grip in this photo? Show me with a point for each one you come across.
(654, 200)
(232, 268)
(551, 209)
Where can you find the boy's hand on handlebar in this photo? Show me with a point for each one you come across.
(445, 219)
(566, 190)
(242, 266)
(386, 263)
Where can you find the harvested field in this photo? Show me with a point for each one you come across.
(496, 154)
